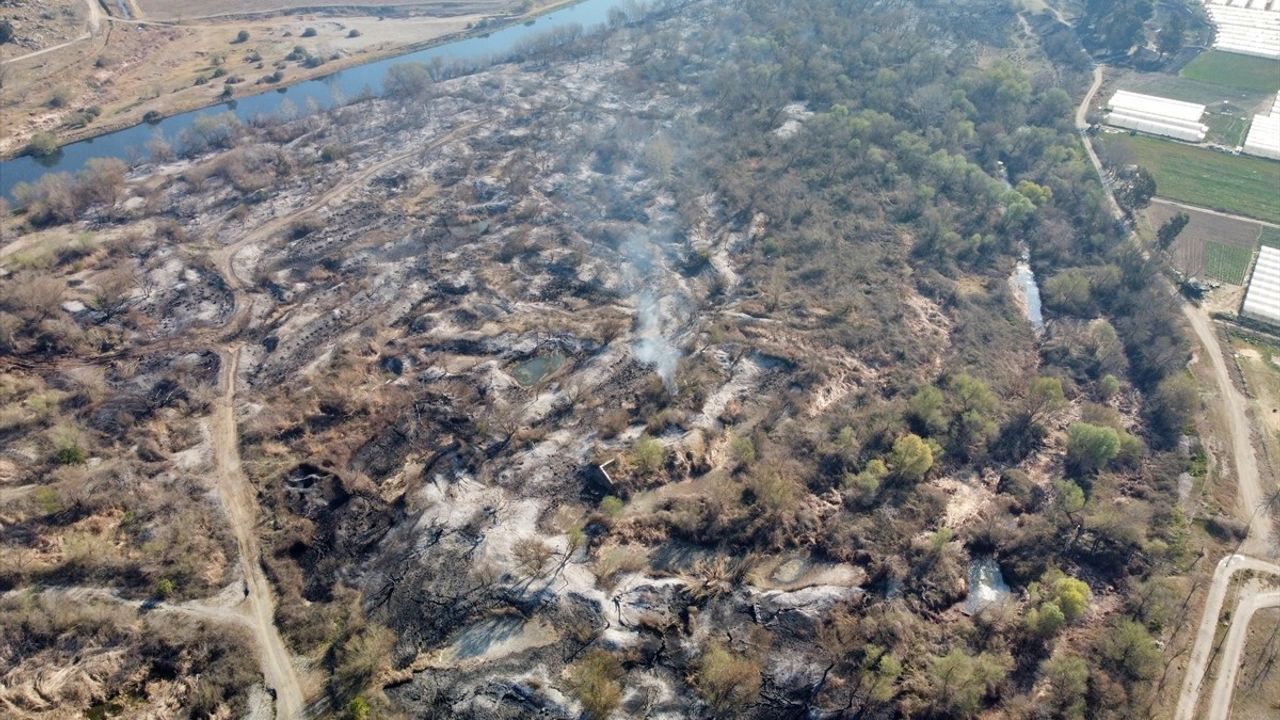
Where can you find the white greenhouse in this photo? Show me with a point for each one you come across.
(1247, 27)
(1264, 133)
(1262, 301)
(1157, 116)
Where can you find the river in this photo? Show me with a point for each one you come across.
(344, 85)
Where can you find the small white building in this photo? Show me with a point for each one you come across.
(1262, 300)
(1247, 27)
(1157, 116)
(1264, 133)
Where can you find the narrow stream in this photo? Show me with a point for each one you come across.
(1024, 283)
(325, 91)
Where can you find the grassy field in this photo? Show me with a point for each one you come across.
(1230, 183)
(1270, 237)
(1228, 128)
(1226, 263)
(1240, 71)
(1196, 91)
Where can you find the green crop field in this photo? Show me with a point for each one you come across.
(1226, 263)
(1231, 183)
(1270, 237)
(1196, 91)
(1241, 71)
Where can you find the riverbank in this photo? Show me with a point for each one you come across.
(124, 101)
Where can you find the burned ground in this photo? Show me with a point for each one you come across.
(599, 379)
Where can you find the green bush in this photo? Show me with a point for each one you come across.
(611, 506)
(42, 144)
(727, 681)
(1090, 448)
(595, 681)
(649, 455)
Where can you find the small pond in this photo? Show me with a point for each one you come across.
(532, 371)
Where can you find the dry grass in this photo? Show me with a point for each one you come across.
(193, 9)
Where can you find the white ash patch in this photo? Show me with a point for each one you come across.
(796, 113)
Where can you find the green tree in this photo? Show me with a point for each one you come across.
(1130, 648)
(596, 681)
(1066, 680)
(1090, 448)
(1046, 620)
(1171, 229)
(1136, 189)
(880, 673)
(611, 506)
(1069, 291)
(165, 588)
(960, 681)
(743, 449)
(1108, 386)
(649, 455)
(1173, 405)
(358, 709)
(1070, 497)
(867, 482)
(42, 144)
(911, 458)
(926, 411)
(973, 406)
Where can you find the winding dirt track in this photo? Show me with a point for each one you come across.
(1233, 648)
(238, 498)
(1202, 650)
(234, 489)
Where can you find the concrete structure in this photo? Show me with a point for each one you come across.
(1264, 133)
(1157, 116)
(1247, 27)
(1262, 300)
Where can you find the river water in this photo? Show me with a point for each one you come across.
(344, 85)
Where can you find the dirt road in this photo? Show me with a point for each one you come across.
(1082, 124)
(1225, 685)
(1251, 496)
(1202, 649)
(1207, 211)
(241, 505)
(95, 24)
